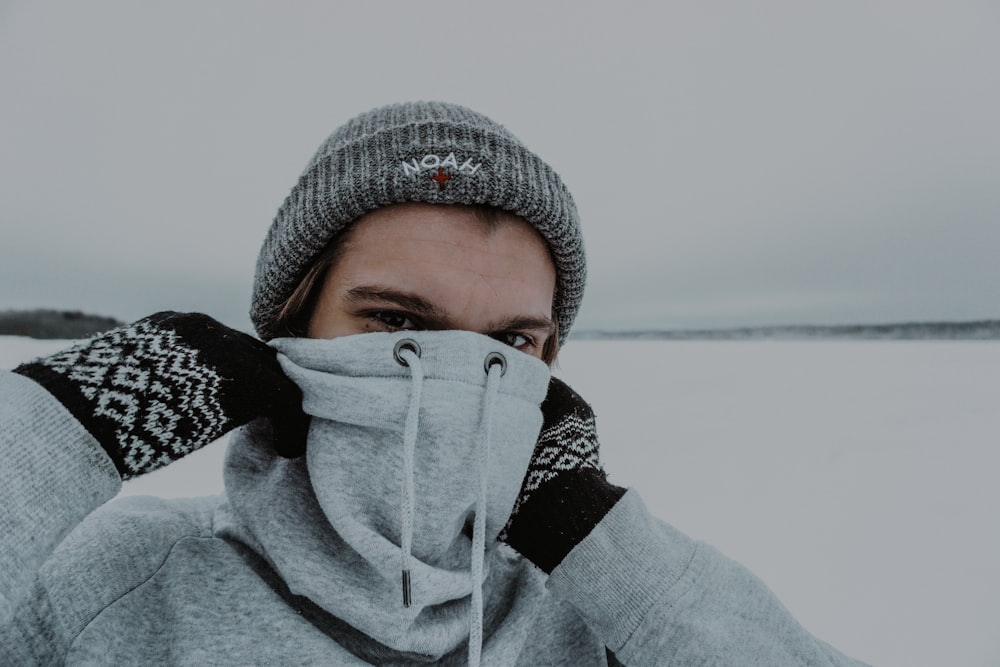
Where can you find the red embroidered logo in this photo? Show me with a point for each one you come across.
(441, 178)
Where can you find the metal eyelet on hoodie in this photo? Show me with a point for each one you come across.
(495, 358)
(405, 344)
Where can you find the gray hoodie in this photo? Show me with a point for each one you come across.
(300, 562)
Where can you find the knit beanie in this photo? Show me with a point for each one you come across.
(416, 152)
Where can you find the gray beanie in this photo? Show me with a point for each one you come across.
(416, 152)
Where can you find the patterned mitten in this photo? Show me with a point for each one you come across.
(565, 493)
(169, 384)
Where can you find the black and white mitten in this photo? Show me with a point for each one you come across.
(153, 391)
(565, 493)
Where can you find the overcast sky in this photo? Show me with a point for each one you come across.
(734, 163)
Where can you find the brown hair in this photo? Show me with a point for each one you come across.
(296, 311)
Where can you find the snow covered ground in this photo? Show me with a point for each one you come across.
(858, 479)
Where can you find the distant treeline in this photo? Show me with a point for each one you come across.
(977, 330)
(53, 323)
(75, 324)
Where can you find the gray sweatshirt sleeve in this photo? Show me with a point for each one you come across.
(52, 475)
(657, 597)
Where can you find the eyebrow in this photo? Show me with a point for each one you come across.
(526, 323)
(410, 302)
(420, 306)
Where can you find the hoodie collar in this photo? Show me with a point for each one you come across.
(333, 523)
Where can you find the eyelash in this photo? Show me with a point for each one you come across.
(380, 317)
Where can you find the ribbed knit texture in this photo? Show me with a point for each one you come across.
(453, 155)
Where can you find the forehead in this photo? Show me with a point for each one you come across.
(448, 251)
(445, 230)
(423, 217)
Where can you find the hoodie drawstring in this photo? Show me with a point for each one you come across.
(407, 353)
(495, 366)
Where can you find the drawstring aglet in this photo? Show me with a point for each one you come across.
(406, 588)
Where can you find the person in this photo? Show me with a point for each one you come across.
(406, 484)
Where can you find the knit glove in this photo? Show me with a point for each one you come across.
(565, 493)
(156, 390)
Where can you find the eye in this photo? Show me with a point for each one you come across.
(514, 339)
(392, 320)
